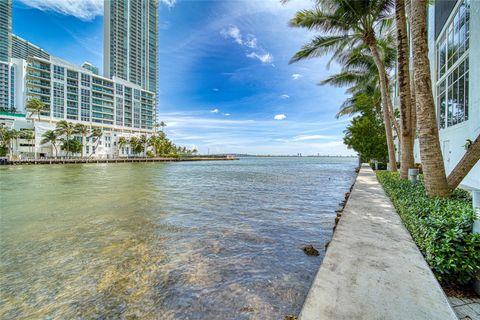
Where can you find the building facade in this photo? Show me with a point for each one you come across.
(5, 30)
(91, 67)
(73, 93)
(453, 27)
(130, 41)
(120, 104)
(7, 87)
(22, 49)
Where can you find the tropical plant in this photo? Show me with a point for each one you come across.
(96, 134)
(407, 110)
(28, 135)
(35, 106)
(349, 24)
(366, 135)
(441, 228)
(7, 137)
(135, 145)
(143, 144)
(122, 142)
(163, 125)
(51, 136)
(68, 129)
(74, 146)
(436, 182)
(83, 131)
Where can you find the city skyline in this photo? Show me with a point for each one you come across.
(238, 94)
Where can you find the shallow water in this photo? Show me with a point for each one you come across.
(195, 240)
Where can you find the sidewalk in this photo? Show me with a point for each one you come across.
(372, 268)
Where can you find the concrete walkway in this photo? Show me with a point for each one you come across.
(372, 268)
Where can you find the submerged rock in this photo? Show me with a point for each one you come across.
(247, 309)
(310, 250)
(326, 245)
(290, 317)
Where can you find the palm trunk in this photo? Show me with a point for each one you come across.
(463, 167)
(430, 152)
(386, 102)
(83, 139)
(406, 137)
(56, 151)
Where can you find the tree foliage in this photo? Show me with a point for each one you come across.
(366, 135)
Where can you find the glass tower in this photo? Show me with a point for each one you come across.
(5, 30)
(130, 41)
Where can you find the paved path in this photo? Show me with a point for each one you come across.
(466, 308)
(372, 268)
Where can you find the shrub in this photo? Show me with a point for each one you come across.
(381, 165)
(441, 227)
(150, 154)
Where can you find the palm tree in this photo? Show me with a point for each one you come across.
(96, 134)
(28, 135)
(51, 136)
(349, 24)
(7, 136)
(83, 130)
(35, 106)
(143, 142)
(436, 182)
(430, 152)
(163, 125)
(135, 145)
(67, 129)
(14, 135)
(154, 142)
(407, 110)
(4, 139)
(122, 142)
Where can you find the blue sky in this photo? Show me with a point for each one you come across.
(225, 84)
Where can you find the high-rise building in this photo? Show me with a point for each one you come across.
(91, 67)
(130, 41)
(74, 93)
(5, 30)
(22, 49)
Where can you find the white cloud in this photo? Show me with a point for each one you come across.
(310, 137)
(250, 41)
(169, 3)
(234, 33)
(264, 58)
(227, 114)
(82, 9)
(215, 110)
(285, 96)
(280, 117)
(216, 89)
(296, 76)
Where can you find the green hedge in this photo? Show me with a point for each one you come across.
(442, 228)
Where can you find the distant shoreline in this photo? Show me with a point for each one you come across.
(287, 156)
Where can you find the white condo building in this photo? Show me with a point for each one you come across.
(454, 43)
(78, 94)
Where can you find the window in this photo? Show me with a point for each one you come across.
(58, 100)
(58, 72)
(85, 80)
(453, 69)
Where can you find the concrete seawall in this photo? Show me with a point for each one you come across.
(372, 268)
(120, 160)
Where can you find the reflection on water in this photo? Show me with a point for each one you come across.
(206, 240)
